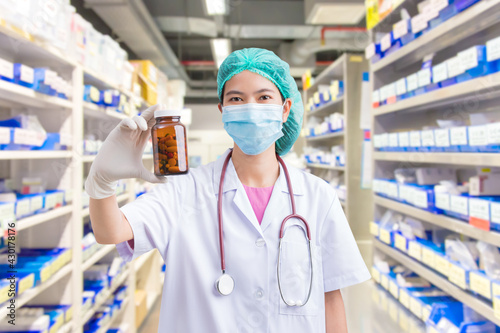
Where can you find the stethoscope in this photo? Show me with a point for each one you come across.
(225, 283)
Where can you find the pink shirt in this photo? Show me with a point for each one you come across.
(259, 198)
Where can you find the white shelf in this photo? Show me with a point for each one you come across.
(470, 159)
(114, 285)
(29, 294)
(120, 198)
(95, 111)
(117, 314)
(15, 95)
(475, 19)
(93, 78)
(482, 88)
(33, 220)
(88, 158)
(101, 253)
(325, 136)
(442, 221)
(327, 108)
(66, 328)
(34, 154)
(32, 51)
(442, 283)
(324, 166)
(141, 260)
(333, 71)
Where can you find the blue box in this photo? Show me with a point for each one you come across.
(40, 85)
(482, 68)
(464, 4)
(23, 75)
(91, 94)
(454, 313)
(459, 207)
(448, 12)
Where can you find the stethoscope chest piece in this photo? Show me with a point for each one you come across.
(225, 284)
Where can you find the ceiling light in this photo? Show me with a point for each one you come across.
(221, 48)
(334, 13)
(216, 7)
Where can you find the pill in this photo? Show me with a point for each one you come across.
(171, 149)
(172, 162)
(162, 156)
(171, 143)
(169, 137)
(173, 169)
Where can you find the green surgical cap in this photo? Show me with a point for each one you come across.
(270, 66)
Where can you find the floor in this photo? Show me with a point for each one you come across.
(369, 310)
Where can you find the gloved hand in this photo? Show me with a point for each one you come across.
(120, 156)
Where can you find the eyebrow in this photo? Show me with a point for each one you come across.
(237, 92)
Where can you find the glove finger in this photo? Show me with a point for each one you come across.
(151, 177)
(128, 123)
(141, 122)
(149, 113)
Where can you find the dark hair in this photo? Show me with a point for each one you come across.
(221, 99)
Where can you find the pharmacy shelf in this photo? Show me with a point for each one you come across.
(482, 88)
(29, 294)
(141, 260)
(95, 111)
(13, 41)
(324, 166)
(442, 221)
(465, 159)
(327, 108)
(334, 71)
(34, 154)
(36, 219)
(66, 328)
(88, 158)
(96, 79)
(117, 314)
(326, 136)
(14, 95)
(442, 283)
(101, 253)
(468, 23)
(114, 285)
(120, 198)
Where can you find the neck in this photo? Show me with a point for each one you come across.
(256, 170)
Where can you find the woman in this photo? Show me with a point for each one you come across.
(233, 281)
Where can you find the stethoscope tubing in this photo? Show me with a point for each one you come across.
(282, 228)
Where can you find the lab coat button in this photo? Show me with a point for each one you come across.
(260, 242)
(259, 294)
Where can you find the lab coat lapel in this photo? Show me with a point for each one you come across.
(279, 205)
(242, 203)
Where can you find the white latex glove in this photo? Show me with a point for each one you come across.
(120, 156)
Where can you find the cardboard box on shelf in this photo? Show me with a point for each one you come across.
(148, 69)
(140, 298)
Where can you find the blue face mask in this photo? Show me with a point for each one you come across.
(253, 127)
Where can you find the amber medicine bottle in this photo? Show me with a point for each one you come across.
(169, 144)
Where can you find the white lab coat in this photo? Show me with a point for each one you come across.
(180, 220)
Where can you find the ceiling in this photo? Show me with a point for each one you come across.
(185, 51)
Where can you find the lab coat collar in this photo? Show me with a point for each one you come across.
(231, 183)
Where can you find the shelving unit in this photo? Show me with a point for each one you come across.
(474, 26)
(348, 68)
(62, 226)
(442, 283)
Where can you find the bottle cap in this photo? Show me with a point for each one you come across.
(163, 111)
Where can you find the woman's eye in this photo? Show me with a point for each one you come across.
(265, 97)
(235, 99)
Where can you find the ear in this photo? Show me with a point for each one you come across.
(286, 109)
(220, 107)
